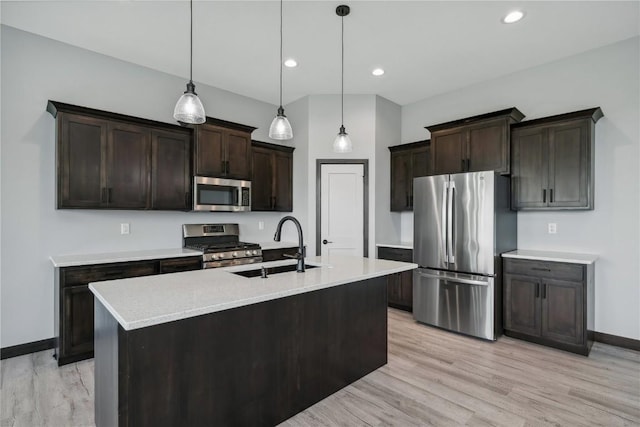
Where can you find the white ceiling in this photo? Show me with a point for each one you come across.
(426, 47)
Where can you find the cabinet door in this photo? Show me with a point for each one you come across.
(522, 304)
(488, 147)
(419, 167)
(81, 161)
(170, 170)
(406, 289)
(283, 182)
(238, 155)
(262, 197)
(448, 151)
(128, 166)
(209, 151)
(562, 311)
(394, 289)
(529, 179)
(77, 320)
(400, 185)
(569, 164)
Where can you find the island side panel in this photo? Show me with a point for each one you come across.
(253, 365)
(106, 365)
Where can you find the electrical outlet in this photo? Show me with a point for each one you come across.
(552, 227)
(124, 228)
(260, 225)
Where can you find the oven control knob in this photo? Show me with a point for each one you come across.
(235, 254)
(215, 256)
(255, 252)
(248, 253)
(220, 256)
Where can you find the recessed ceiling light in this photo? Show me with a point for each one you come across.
(290, 63)
(378, 72)
(512, 17)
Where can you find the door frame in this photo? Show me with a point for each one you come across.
(365, 199)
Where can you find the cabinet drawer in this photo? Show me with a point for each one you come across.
(82, 275)
(277, 254)
(174, 265)
(545, 269)
(395, 254)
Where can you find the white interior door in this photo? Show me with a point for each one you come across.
(342, 209)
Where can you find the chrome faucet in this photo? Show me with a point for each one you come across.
(301, 251)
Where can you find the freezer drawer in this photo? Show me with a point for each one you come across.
(458, 302)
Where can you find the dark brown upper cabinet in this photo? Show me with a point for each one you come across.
(223, 149)
(128, 166)
(407, 162)
(111, 161)
(473, 144)
(271, 177)
(553, 162)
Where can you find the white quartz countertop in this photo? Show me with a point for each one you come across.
(399, 245)
(570, 257)
(107, 258)
(277, 245)
(151, 300)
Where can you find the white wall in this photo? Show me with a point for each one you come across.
(35, 69)
(388, 125)
(324, 123)
(607, 77)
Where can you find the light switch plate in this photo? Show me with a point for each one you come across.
(124, 228)
(552, 227)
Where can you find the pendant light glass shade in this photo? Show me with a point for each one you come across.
(189, 108)
(342, 143)
(280, 127)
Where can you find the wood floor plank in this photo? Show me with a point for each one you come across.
(433, 377)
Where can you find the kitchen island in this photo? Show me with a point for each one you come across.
(212, 347)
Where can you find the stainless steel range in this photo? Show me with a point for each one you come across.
(221, 245)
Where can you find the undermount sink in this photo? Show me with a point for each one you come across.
(271, 270)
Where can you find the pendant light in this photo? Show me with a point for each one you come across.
(189, 109)
(280, 127)
(342, 143)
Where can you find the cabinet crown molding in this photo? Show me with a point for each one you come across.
(594, 114)
(513, 113)
(410, 146)
(55, 107)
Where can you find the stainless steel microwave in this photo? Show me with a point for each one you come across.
(221, 195)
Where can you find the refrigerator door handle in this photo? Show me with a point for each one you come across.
(450, 225)
(455, 279)
(445, 194)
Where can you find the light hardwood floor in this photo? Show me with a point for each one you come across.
(432, 378)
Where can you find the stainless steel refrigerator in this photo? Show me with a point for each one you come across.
(462, 223)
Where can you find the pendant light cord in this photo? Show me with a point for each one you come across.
(342, 78)
(191, 41)
(280, 53)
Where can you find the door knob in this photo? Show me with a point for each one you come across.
(325, 241)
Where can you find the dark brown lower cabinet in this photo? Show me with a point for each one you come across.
(399, 285)
(73, 310)
(550, 303)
